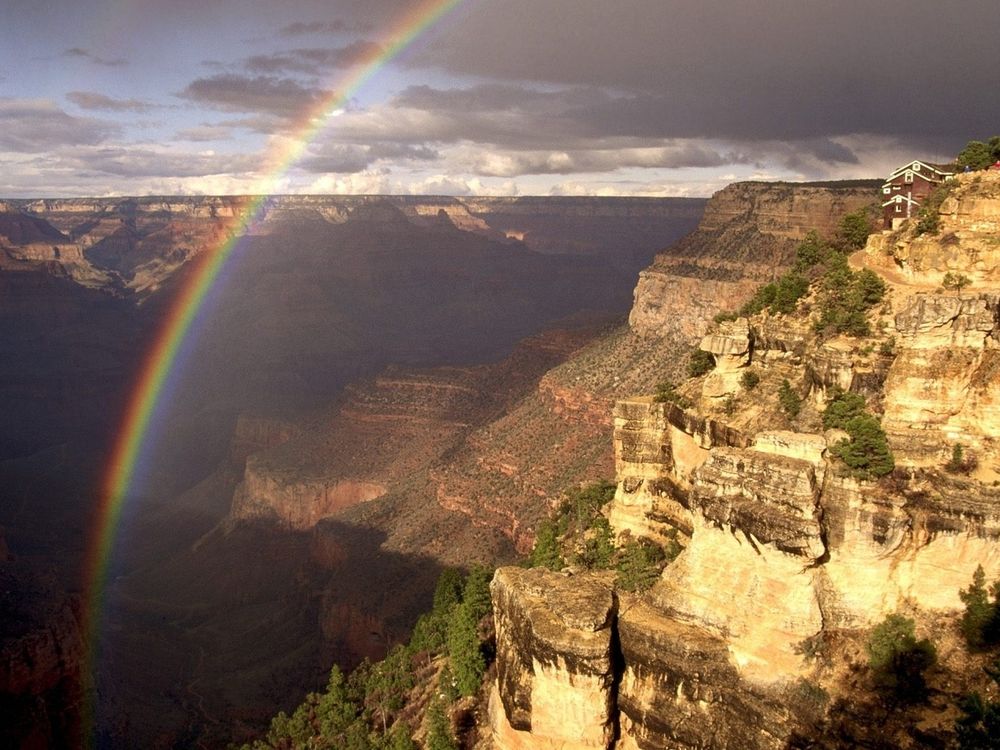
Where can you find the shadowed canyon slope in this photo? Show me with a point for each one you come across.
(322, 292)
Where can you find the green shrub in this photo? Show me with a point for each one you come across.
(439, 735)
(811, 252)
(730, 404)
(898, 660)
(980, 623)
(725, 316)
(599, 547)
(955, 282)
(547, 552)
(979, 155)
(846, 296)
(464, 650)
(929, 216)
(780, 296)
(854, 229)
(666, 392)
(763, 297)
(700, 363)
(978, 728)
(842, 408)
(749, 379)
(956, 463)
(639, 564)
(789, 400)
(867, 452)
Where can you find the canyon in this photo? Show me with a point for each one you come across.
(323, 292)
(354, 487)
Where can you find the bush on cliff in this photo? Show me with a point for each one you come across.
(980, 623)
(955, 282)
(978, 728)
(929, 216)
(639, 564)
(439, 735)
(749, 379)
(842, 408)
(898, 660)
(666, 393)
(979, 155)
(854, 229)
(867, 452)
(789, 400)
(362, 711)
(700, 363)
(547, 552)
(845, 296)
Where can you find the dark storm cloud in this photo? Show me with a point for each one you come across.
(283, 98)
(314, 61)
(564, 120)
(96, 101)
(82, 54)
(791, 69)
(34, 126)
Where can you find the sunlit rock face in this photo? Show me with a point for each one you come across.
(747, 237)
(781, 544)
(555, 658)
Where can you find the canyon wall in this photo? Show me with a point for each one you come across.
(783, 546)
(747, 237)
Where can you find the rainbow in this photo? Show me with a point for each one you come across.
(163, 356)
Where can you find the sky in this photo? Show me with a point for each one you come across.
(499, 97)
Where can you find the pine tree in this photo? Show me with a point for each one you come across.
(439, 736)
(399, 738)
(898, 660)
(979, 618)
(465, 652)
(546, 552)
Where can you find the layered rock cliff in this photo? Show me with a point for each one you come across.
(747, 237)
(784, 545)
(136, 244)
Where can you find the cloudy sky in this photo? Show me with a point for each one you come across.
(643, 97)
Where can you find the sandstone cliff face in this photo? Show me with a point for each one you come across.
(555, 656)
(782, 545)
(747, 237)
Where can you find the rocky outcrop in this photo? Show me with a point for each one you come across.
(556, 661)
(747, 236)
(729, 346)
(942, 388)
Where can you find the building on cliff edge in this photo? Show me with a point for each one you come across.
(907, 187)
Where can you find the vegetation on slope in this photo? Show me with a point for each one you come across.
(579, 534)
(364, 711)
(843, 296)
(866, 452)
